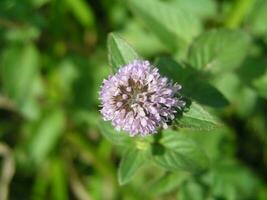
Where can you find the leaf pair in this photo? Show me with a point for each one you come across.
(170, 150)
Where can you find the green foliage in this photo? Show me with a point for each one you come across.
(199, 90)
(54, 56)
(219, 50)
(47, 133)
(131, 161)
(168, 20)
(175, 152)
(120, 53)
(197, 118)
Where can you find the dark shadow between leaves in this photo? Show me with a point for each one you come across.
(194, 83)
(188, 103)
(252, 69)
(157, 148)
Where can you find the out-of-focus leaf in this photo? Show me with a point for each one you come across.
(192, 190)
(131, 161)
(261, 84)
(193, 85)
(113, 136)
(172, 24)
(167, 183)
(143, 40)
(254, 74)
(256, 20)
(231, 180)
(82, 11)
(22, 34)
(219, 144)
(39, 3)
(175, 151)
(41, 185)
(20, 78)
(46, 135)
(239, 94)
(19, 67)
(59, 182)
(196, 117)
(119, 52)
(201, 8)
(237, 12)
(219, 50)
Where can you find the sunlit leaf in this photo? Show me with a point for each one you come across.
(119, 52)
(256, 20)
(201, 8)
(196, 117)
(172, 24)
(219, 50)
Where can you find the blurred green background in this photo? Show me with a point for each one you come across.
(53, 58)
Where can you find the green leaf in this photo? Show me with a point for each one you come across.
(19, 68)
(231, 180)
(201, 8)
(119, 138)
(194, 86)
(176, 151)
(171, 23)
(256, 20)
(59, 187)
(197, 118)
(254, 74)
(219, 50)
(167, 183)
(46, 135)
(260, 85)
(192, 190)
(82, 11)
(131, 162)
(119, 52)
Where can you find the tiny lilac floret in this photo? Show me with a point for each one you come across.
(138, 100)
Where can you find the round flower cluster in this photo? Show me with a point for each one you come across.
(138, 100)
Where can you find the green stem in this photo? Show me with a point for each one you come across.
(238, 12)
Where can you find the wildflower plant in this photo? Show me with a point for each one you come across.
(171, 105)
(140, 102)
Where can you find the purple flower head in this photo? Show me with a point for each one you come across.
(138, 100)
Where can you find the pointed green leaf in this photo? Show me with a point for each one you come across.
(119, 52)
(196, 117)
(177, 152)
(131, 162)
